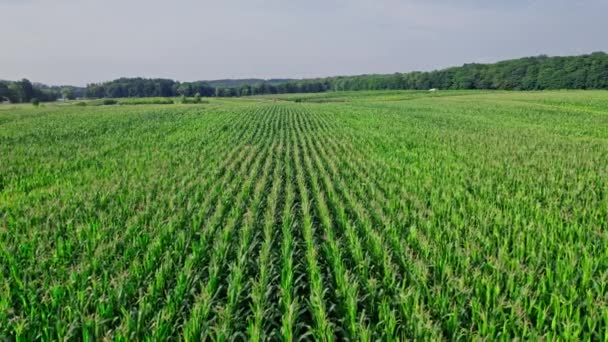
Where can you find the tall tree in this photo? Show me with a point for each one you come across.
(27, 90)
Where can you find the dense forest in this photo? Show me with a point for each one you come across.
(141, 87)
(531, 73)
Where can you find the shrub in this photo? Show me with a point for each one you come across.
(109, 102)
(35, 102)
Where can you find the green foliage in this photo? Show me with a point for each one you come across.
(24, 91)
(69, 93)
(141, 87)
(35, 102)
(532, 73)
(16, 93)
(4, 92)
(369, 215)
(108, 102)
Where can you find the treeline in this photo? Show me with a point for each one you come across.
(531, 73)
(142, 87)
(25, 91)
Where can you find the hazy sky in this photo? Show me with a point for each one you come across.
(81, 41)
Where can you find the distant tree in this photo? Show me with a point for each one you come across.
(4, 92)
(244, 90)
(597, 74)
(68, 93)
(16, 92)
(116, 90)
(27, 90)
(230, 92)
(133, 87)
(184, 89)
(197, 98)
(35, 101)
(165, 87)
(94, 91)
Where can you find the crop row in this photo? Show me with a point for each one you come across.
(280, 221)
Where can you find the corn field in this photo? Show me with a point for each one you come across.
(378, 216)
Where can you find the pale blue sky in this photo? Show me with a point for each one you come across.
(81, 41)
